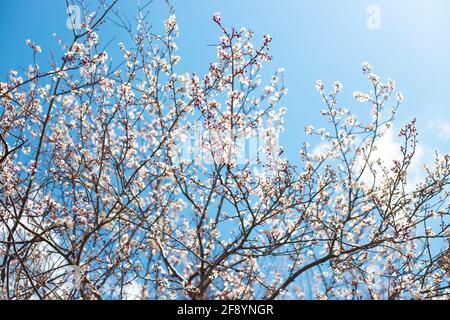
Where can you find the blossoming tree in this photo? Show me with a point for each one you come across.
(138, 181)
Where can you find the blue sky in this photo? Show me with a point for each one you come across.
(322, 39)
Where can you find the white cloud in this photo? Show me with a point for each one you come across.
(387, 150)
(322, 150)
(440, 128)
(132, 291)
